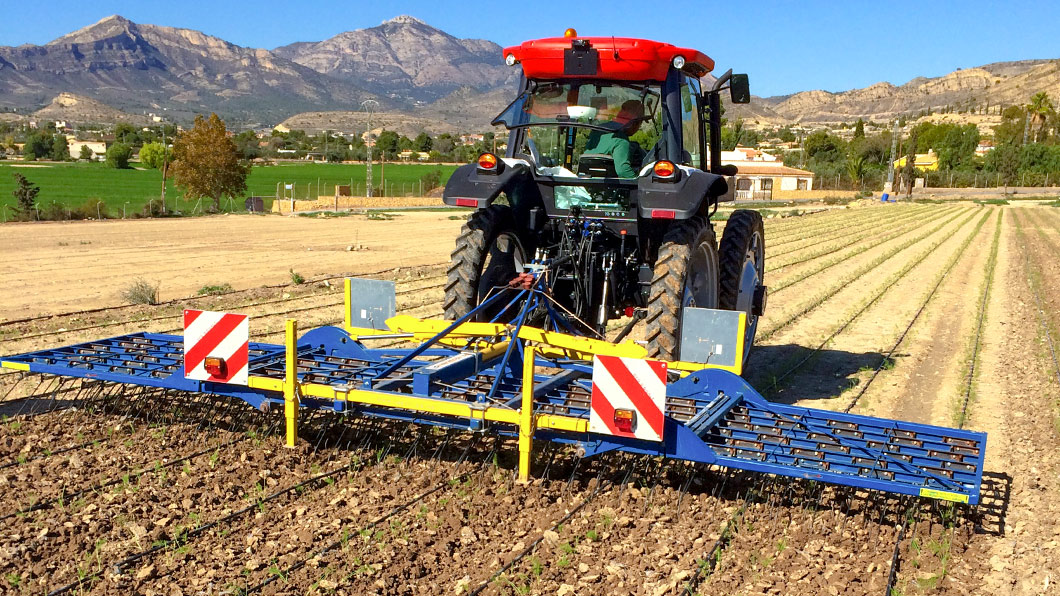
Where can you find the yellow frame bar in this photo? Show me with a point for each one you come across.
(14, 365)
(526, 415)
(290, 382)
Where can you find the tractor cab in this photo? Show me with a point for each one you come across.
(611, 174)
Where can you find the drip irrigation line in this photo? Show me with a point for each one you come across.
(48, 503)
(592, 495)
(942, 277)
(879, 294)
(991, 266)
(892, 574)
(891, 235)
(862, 272)
(1042, 318)
(846, 240)
(448, 483)
(182, 539)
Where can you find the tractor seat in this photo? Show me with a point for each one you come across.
(596, 165)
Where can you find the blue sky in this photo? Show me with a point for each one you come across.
(785, 46)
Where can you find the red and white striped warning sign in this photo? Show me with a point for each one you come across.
(216, 346)
(629, 397)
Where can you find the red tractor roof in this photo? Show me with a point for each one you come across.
(621, 58)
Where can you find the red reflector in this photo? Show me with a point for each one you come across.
(215, 366)
(663, 214)
(487, 161)
(624, 420)
(467, 202)
(664, 169)
(629, 311)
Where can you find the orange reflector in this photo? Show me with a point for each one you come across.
(487, 161)
(663, 214)
(664, 169)
(569, 33)
(215, 366)
(624, 420)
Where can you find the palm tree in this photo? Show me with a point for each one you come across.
(856, 170)
(1040, 110)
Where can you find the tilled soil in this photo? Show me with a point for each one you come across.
(853, 286)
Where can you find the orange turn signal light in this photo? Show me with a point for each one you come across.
(664, 169)
(569, 33)
(624, 420)
(216, 366)
(487, 161)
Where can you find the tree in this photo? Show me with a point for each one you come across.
(25, 194)
(856, 170)
(118, 155)
(60, 150)
(1040, 110)
(910, 169)
(823, 147)
(859, 129)
(153, 155)
(126, 133)
(206, 162)
(86, 153)
(38, 146)
(423, 142)
(387, 143)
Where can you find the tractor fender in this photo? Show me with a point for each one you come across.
(685, 196)
(468, 184)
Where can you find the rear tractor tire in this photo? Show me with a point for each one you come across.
(742, 259)
(685, 274)
(489, 252)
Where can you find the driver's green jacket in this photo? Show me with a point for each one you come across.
(617, 145)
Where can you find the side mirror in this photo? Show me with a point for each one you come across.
(739, 89)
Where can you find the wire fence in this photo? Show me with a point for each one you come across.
(937, 179)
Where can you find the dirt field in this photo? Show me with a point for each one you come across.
(944, 314)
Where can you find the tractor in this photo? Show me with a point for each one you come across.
(605, 193)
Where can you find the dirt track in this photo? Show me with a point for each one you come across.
(877, 309)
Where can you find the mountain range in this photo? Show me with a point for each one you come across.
(421, 77)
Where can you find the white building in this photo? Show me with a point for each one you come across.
(760, 174)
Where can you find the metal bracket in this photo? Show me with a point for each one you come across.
(370, 302)
(713, 336)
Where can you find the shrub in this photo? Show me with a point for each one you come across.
(118, 155)
(140, 292)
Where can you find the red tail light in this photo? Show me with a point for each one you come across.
(216, 366)
(630, 311)
(625, 420)
(663, 214)
(467, 203)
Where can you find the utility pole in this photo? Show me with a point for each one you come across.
(368, 144)
(165, 164)
(888, 187)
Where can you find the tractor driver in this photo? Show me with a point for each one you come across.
(627, 155)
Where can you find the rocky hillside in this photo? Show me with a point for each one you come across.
(141, 68)
(988, 87)
(405, 58)
(77, 109)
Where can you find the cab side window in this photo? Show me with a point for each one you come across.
(690, 122)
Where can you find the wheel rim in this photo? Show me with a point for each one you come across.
(750, 278)
(701, 281)
(504, 260)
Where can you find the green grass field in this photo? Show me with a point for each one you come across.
(78, 184)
